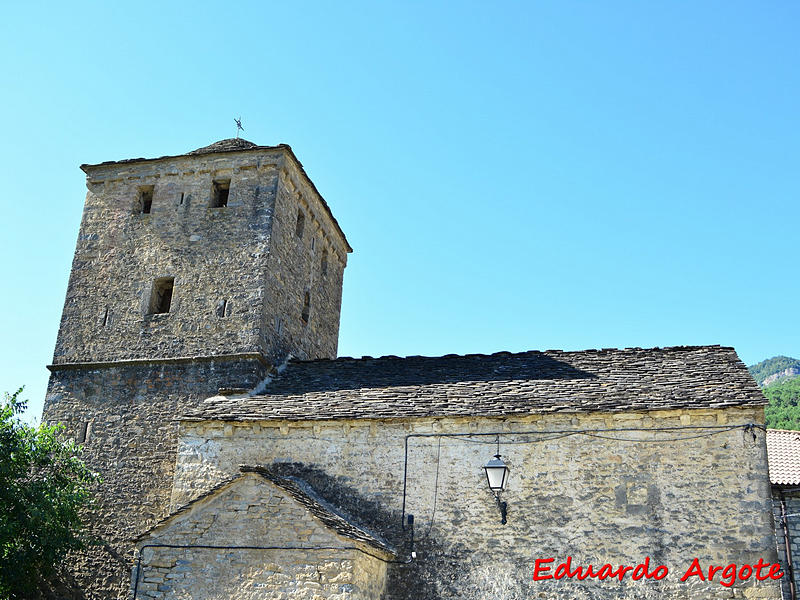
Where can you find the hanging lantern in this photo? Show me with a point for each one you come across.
(496, 474)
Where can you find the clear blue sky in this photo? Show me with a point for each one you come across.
(511, 176)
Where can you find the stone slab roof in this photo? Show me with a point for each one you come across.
(233, 145)
(331, 516)
(783, 455)
(496, 385)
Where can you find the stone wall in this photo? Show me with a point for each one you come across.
(597, 500)
(122, 375)
(227, 270)
(309, 262)
(291, 555)
(792, 500)
(127, 415)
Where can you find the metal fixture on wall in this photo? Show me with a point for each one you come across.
(497, 475)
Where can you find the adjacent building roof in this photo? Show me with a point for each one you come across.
(495, 385)
(783, 455)
(234, 145)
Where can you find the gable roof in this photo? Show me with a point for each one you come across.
(495, 385)
(329, 515)
(783, 456)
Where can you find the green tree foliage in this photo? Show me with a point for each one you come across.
(773, 365)
(783, 411)
(43, 488)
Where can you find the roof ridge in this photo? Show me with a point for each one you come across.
(685, 348)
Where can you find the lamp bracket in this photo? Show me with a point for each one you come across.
(503, 506)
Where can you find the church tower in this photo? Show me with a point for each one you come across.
(192, 274)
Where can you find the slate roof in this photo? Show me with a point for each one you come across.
(234, 145)
(495, 385)
(783, 455)
(331, 516)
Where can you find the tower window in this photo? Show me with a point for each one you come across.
(222, 309)
(161, 298)
(84, 430)
(306, 307)
(324, 263)
(219, 193)
(146, 199)
(301, 223)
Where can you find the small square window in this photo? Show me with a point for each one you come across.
(161, 296)
(219, 193)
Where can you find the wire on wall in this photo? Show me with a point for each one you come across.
(548, 435)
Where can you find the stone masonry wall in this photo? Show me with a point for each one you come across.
(310, 262)
(252, 512)
(128, 415)
(793, 520)
(237, 298)
(597, 500)
(225, 280)
(214, 254)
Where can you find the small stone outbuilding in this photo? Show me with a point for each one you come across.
(261, 535)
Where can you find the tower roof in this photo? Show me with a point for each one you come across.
(228, 145)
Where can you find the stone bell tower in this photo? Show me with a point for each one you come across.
(192, 273)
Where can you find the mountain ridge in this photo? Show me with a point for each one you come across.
(774, 369)
(779, 379)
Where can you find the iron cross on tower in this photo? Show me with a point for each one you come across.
(238, 126)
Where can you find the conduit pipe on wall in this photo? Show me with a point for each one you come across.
(788, 546)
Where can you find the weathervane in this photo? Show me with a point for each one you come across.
(238, 126)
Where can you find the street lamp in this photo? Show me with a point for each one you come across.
(497, 475)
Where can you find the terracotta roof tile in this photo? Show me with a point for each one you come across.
(783, 454)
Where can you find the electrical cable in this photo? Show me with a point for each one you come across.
(558, 434)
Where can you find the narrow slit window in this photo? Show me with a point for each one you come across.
(146, 199)
(301, 223)
(306, 307)
(83, 432)
(324, 263)
(222, 308)
(105, 318)
(161, 297)
(181, 202)
(220, 191)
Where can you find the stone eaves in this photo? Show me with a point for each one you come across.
(632, 379)
(233, 145)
